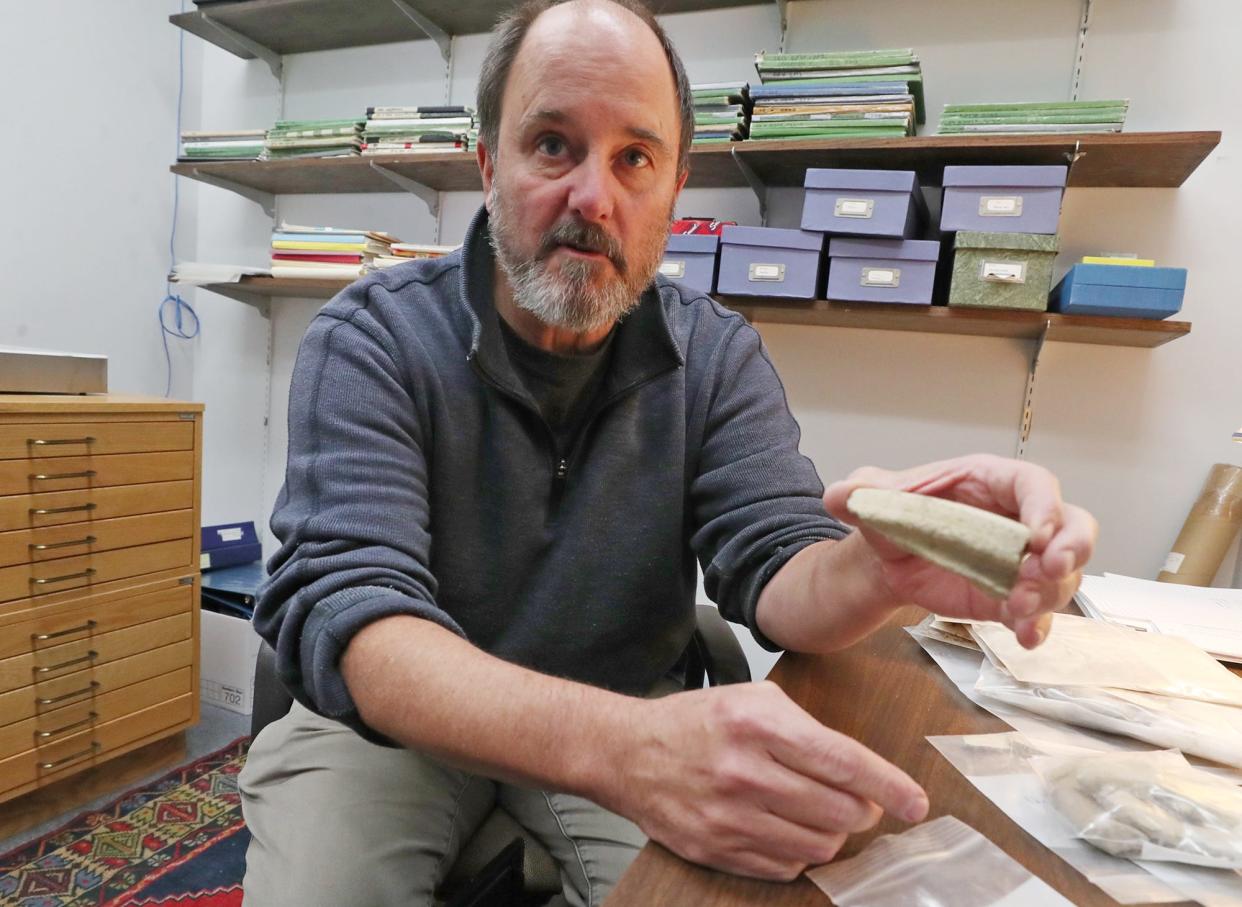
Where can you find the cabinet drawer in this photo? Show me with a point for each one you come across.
(79, 572)
(27, 511)
(18, 705)
(58, 724)
(71, 754)
(65, 473)
(64, 439)
(84, 654)
(95, 618)
(33, 546)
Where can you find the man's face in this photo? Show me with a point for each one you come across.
(581, 190)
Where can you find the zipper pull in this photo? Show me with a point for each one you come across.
(562, 468)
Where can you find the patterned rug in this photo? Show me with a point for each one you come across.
(178, 841)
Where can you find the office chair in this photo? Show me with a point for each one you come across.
(501, 865)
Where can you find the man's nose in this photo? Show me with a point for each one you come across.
(592, 191)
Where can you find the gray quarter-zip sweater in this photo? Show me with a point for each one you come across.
(422, 480)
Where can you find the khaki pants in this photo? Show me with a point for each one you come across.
(338, 821)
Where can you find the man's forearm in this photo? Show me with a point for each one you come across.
(827, 596)
(430, 690)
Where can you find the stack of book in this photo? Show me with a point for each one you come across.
(721, 111)
(401, 252)
(313, 138)
(326, 252)
(238, 145)
(1038, 116)
(840, 94)
(418, 130)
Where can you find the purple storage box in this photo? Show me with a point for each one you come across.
(1003, 199)
(767, 261)
(885, 203)
(690, 259)
(882, 270)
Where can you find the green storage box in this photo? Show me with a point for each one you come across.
(1002, 270)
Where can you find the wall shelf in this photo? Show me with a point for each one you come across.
(299, 26)
(1134, 332)
(1128, 159)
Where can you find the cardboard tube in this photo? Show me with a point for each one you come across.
(1209, 529)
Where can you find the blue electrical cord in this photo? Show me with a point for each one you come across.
(180, 308)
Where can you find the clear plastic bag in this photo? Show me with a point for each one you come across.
(1147, 806)
(1202, 729)
(1080, 651)
(942, 863)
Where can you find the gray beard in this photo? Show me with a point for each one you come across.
(567, 299)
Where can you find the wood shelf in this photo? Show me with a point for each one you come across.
(1128, 159)
(299, 26)
(1135, 332)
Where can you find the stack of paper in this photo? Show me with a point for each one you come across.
(1209, 618)
(418, 130)
(237, 145)
(401, 252)
(325, 252)
(721, 111)
(314, 138)
(866, 93)
(1034, 117)
(199, 273)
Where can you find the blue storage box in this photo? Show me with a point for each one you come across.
(1002, 199)
(886, 203)
(690, 259)
(768, 261)
(229, 544)
(882, 270)
(1119, 290)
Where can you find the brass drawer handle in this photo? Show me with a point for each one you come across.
(89, 540)
(46, 510)
(72, 757)
(89, 571)
(94, 685)
(86, 474)
(40, 637)
(43, 735)
(89, 656)
(40, 443)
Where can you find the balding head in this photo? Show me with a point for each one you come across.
(608, 27)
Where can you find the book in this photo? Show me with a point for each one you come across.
(339, 271)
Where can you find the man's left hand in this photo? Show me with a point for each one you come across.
(1062, 539)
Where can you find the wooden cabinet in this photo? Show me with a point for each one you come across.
(99, 582)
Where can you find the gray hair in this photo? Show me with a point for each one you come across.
(507, 38)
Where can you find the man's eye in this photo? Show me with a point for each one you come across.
(550, 144)
(636, 158)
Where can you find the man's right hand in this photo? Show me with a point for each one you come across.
(741, 779)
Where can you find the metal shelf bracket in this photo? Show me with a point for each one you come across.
(265, 200)
(757, 185)
(429, 196)
(266, 54)
(430, 29)
(1028, 395)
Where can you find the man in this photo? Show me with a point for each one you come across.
(502, 466)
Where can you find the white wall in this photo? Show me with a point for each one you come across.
(1130, 432)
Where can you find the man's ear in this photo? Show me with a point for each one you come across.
(487, 169)
(681, 180)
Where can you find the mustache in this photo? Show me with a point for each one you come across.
(591, 237)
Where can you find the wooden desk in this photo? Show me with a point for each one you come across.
(887, 693)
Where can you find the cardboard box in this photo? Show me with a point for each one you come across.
(1002, 270)
(768, 261)
(883, 203)
(1002, 199)
(690, 259)
(229, 649)
(1119, 291)
(882, 270)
